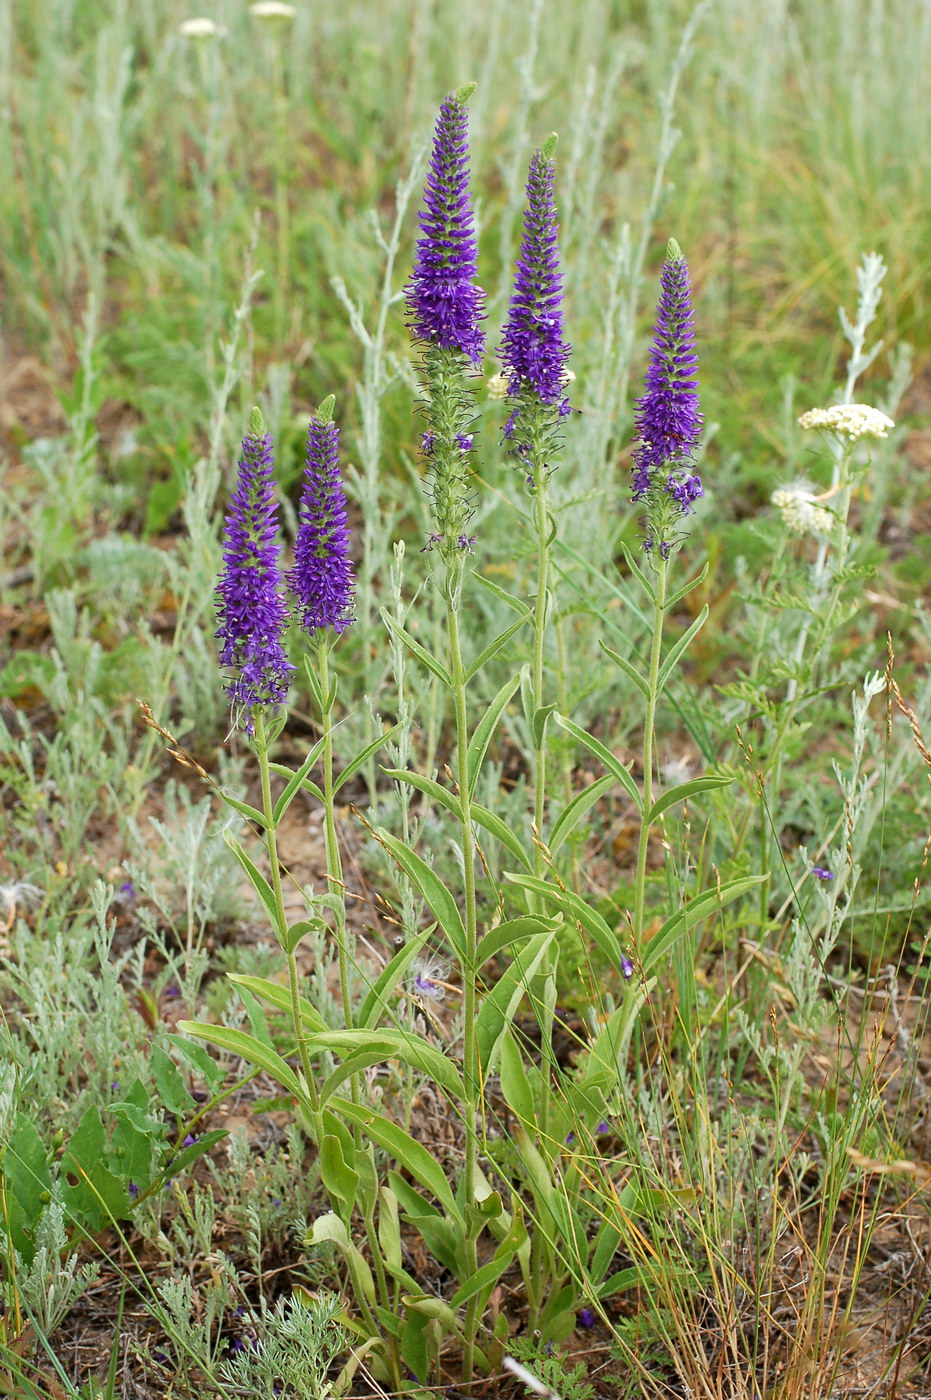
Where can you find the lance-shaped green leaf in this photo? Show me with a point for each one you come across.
(487, 1275)
(686, 588)
(512, 931)
(361, 758)
(631, 672)
(666, 669)
(406, 1151)
(250, 1049)
(482, 816)
(435, 667)
(245, 810)
(494, 646)
(442, 1236)
(300, 778)
(401, 1045)
(515, 1085)
(683, 792)
(605, 756)
(577, 909)
(261, 886)
(431, 887)
(329, 1228)
(279, 997)
(699, 908)
(574, 811)
(638, 573)
(484, 730)
(337, 1175)
(498, 1008)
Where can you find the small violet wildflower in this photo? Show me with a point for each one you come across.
(627, 967)
(668, 419)
(820, 873)
(533, 353)
(321, 579)
(250, 607)
(586, 1317)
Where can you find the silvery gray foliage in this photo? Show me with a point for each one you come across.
(295, 1348)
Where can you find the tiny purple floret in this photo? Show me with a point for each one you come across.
(321, 580)
(586, 1317)
(820, 873)
(445, 305)
(627, 967)
(250, 607)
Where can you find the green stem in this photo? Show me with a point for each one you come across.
(469, 969)
(334, 865)
(261, 744)
(648, 736)
(541, 519)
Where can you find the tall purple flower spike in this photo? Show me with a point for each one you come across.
(250, 607)
(321, 579)
(668, 419)
(533, 353)
(445, 305)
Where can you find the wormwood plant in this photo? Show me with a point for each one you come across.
(537, 1210)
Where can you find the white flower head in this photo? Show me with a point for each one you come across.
(201, 28)
(497, 386)
(272, 9)
(853, 422)
(800, 511)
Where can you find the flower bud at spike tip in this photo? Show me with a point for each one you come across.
(257, 426)
(464, 93)
(326, 409)
(673, 251)
(548, 149)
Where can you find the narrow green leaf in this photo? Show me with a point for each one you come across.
(248, 1048)
(394, 1045)
(683, 792)
(515, 1086)
(675, 653)
(686, 589)
(498, 1008)
(431, 663)
(638, 573)
(493, 647)
(700, 908)
(484, 730)
(337, 1175)
(406, 1151)
(577, 909)
(606, 757)
(296, 932)
(279, 997)
(431, 887)
(511, 932)
(575, 810)
(259, 883)
(329, 1228)
(296, 781)
(630, 671)
(361, 758)
(252, 813)
(517, 604)
(538, 724)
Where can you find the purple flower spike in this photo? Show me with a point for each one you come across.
(668, 419)
(445, 306)
(321, 580)
(533, 353)
(250, 608)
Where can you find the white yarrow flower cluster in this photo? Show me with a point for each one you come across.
(851, 421)
(272, 9)
(201, 28)
(800, 511)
